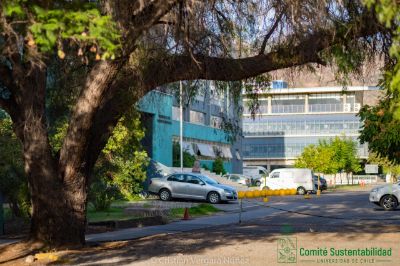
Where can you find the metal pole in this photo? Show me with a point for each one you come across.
(240, 213)
(181, 122)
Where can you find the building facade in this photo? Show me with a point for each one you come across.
(203, 135)
(289, 119)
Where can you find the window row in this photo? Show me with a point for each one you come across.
(301, 128)
(285, 150)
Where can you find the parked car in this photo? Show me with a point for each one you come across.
(323, 185)
(299, 178)
(386, 196)
(241, 179)
(257, 173)
(154, 170)
(191, 186)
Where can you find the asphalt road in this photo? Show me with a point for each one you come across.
(329, 212)
(345, 219)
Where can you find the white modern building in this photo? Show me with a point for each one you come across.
(290, 119)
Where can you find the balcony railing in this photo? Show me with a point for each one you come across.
(287, 109)
(325, 108)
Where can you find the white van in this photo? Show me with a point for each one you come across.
(256, 173)
(298, 178)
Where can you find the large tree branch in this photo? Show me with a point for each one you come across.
(270, 32)
(113, 107)
(76, 142)
(308, 50)
(174, 68)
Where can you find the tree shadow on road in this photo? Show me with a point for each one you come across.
(199, 241)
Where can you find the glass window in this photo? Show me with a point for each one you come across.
(209, 180)
(177, 178)
(216, 121)
(176, 114)
(325, 102)
(275, 175)
(234, 178)
(197, 117)
(193, 180)
(288, 104)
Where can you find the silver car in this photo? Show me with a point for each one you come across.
(386, 196)
(241, 179)
(191, 186)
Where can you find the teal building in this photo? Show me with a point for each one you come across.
(202, 133)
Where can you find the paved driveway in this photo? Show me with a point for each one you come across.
(330, 212)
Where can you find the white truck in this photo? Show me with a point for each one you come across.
(299, 178)
(256, 173)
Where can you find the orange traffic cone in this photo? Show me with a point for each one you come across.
(186, 214)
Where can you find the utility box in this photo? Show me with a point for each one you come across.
(1, 215)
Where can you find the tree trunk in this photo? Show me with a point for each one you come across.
(58, 219)
(58, 207)
(58, 203)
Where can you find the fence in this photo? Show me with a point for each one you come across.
(342, 179)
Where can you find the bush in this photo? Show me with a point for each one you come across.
(205, 167)
(13, 181)
(188, 159)
(102, 194)
(218, 166)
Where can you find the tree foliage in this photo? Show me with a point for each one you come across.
(154, 43)
(80, 24)
(330, 157)
(381, 125)
(317, 158)
(218, 166)
(188, 159)
(13, 183)
(389, 167)
(123, 163)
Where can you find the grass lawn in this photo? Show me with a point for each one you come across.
(347, 187)
(117, 213)
(113, 214)
(200, 210)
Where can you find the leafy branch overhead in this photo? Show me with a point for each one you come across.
(79, 26)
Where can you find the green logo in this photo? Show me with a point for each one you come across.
(287, 250)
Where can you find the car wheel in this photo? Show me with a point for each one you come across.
(258, 183)
(265, 188)
(165, 194)
(213, 197)
(389, 202)
(301, 191)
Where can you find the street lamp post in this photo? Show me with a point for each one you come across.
(181, 122)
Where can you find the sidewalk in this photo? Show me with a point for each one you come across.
(4, 242)
(230, 215)
(181, 226)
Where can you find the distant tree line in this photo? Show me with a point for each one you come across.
(332, 156)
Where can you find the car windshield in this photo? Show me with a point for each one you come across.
(209, 180)
(162, 169)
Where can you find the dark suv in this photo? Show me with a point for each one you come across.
(322, 183)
